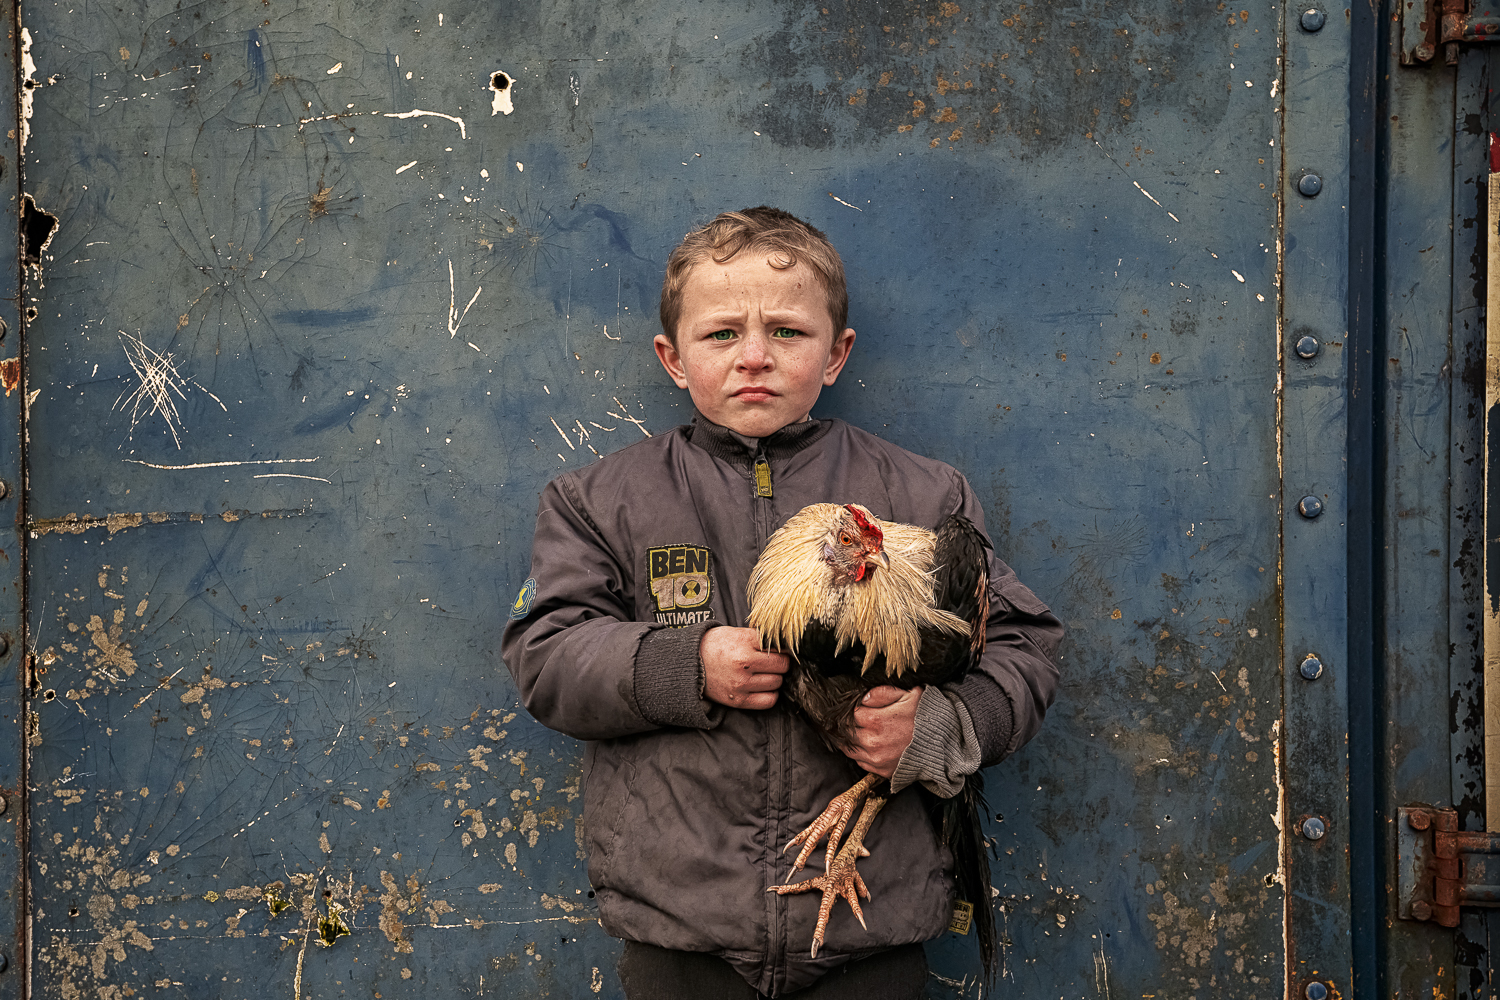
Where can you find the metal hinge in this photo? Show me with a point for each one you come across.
(1442, 868)
(1427, 25)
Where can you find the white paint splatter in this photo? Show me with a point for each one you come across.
(406, 167)
(1237, 276)
(28, 86)
(521, 167)
(335, 68)
(418, 113)
(502, 84)
(843, 202)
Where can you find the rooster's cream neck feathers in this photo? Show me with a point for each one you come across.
(793, 585)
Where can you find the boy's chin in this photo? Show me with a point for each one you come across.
(755, 422)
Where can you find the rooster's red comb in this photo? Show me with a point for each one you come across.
(866, 526)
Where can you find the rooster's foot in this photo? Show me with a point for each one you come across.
(841, 878)
(831, 822)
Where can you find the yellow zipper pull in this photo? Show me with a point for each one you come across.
(762, 477)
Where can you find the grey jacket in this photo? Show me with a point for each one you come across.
(687, 804)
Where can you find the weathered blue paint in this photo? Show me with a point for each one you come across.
(317, 326)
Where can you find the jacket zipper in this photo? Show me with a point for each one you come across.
(777, 734)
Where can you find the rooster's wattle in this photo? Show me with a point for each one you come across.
(858, 602)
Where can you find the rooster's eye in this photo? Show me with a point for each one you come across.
(844, 539)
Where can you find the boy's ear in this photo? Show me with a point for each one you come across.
(842, 345)
(671, 360)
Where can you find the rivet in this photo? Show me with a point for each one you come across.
(1310, 185)
(1313, 19)
(1316, 991)
(4, 962)
(1313, 828)
(1311, 667)
(1309, 507)
(1308, 347)
(3, 804)
(1421, 910)
(1418, 820)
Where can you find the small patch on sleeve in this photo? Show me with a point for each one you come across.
(963, 916)
(522, 607)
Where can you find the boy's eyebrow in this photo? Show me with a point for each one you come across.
(729, 313)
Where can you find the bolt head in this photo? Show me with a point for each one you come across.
(1421, 910)
(1310, 185)
(1308, 347)
(1313, 828)
(1313, 19)
(1418, 820)
(1311, 667)
(1316, 991)
(1309, 507)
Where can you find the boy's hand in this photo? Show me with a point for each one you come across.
(736, 671)
(883, 728)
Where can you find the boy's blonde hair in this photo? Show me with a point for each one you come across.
(784, 237)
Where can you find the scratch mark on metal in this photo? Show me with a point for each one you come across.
(843, 202)
(288, 475)
(222, 465)
(153, 691)
(405, 167)
(417, 113)
(159, 381)
(627, 417)
(562, 433)
(456, 318)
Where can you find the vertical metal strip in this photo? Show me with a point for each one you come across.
(1492, 516)
(1366, 455)
(15, 913)
(1314, 188)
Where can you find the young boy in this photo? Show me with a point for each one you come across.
(696, 773)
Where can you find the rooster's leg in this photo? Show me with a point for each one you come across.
(841, 878)
(832, 822)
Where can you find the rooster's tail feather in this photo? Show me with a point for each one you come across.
(963, 833)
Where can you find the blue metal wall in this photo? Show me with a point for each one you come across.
(325, 309)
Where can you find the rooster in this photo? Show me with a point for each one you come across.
(858, 602)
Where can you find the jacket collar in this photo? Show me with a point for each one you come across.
(724, 444)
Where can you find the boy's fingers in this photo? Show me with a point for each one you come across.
(762, 682)
(883, 696)
(759, 701)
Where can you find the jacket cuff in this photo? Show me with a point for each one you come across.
(669, 677)
(943, 751)
(990, 712)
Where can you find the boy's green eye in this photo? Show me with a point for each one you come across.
(785, 333)
(722, 335)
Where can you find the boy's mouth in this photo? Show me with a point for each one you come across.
(754, 392)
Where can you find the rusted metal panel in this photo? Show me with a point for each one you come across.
(325, 310)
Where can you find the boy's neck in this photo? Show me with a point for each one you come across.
(726, 442)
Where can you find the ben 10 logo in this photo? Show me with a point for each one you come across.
(681, 582)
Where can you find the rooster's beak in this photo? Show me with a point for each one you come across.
(876, 560)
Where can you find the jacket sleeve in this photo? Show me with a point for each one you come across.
(1009, 693)
(582, 666)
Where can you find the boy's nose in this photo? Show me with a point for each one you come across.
(753, 353)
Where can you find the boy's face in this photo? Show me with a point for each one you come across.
(755, 345)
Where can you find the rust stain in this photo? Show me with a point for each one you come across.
(10, 373)
(77, 524)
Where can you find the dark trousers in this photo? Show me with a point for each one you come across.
(651, 973)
